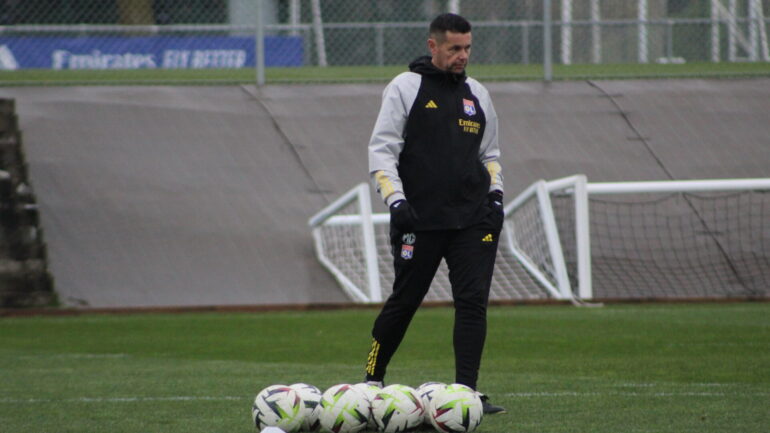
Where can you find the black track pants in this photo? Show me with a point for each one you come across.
(470, 256)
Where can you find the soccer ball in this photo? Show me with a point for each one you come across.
(426, 391)
(455, 409)
(344, 409)
(370, 391)
(278, 406)
(311, 397)
(397, 408)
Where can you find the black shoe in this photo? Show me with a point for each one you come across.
(378, 383)
(489, 408)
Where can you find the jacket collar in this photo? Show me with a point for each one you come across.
(424, 66)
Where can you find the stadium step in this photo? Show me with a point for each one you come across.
(24, 277)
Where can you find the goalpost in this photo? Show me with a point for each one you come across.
(569, 239)
(646, 240)
(353, 244)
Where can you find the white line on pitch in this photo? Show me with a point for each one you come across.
(118, 399)
(655, 385)
(634, 394)
(74, 356)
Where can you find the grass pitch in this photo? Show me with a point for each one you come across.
(626, 368)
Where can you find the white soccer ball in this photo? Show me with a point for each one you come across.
(426, 391)
(397, 408)
(344, 409)
(370, 391)
(311, 398)
(455, 409)
(278, 406)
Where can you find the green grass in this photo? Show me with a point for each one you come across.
(352, 74)
(644, 368)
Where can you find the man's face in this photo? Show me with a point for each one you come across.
(450, 53)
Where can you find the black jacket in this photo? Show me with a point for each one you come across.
(441, 168)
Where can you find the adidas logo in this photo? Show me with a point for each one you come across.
(431, 104)
(488, 238)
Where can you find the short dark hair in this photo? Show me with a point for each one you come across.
(448, 23)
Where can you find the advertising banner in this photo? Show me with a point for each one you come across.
(146, 52)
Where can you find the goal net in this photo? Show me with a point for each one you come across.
(652, 240)
(353, 244)
(569, 239)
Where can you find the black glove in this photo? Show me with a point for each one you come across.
(495, 202)
(402, 216)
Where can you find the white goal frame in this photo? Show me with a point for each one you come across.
(365, 220)
(557, 280)
(547, 267)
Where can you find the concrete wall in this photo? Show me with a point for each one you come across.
(172, 196)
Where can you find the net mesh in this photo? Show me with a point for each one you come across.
(509, 281)
(530, 238)
(681, 245)
(342, 244)
(643, 246)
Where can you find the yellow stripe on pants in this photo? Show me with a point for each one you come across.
(372, 360)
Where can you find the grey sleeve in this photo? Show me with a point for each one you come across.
(387, 138)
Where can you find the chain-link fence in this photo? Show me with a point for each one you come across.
(212, 41)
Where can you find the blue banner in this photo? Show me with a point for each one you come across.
(150, 52)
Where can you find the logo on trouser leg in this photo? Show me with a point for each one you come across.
(371, 361)
(408, 238)
(407, 248)
(488, 238)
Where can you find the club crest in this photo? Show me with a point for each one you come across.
(469, 107)
(407, 251)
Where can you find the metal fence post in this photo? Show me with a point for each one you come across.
(260, 44)
(642, 36)
(320, 42)
(596, 32)
(547, 61)
(454, 7)
(566, 32)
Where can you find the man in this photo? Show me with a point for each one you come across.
(433, 157)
